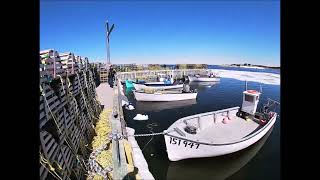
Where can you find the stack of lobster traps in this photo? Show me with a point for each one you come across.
(68, 112)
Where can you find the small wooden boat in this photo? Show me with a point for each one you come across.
(157, 86)
(220, 132)
(143, 95)
(198, 78)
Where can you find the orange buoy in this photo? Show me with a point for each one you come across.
(263, 122)
(225, 120)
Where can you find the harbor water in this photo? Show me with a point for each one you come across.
(259, 161)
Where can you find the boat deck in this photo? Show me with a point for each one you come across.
(236, 129)
(217, 132)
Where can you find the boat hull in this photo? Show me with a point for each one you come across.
(142, 86)
(163, 97)
(202, 79)
(179, 148)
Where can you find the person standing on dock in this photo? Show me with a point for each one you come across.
(186, 86)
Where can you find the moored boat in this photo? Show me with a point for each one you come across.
(198, 78)
(224, 166)
(143, 95)
(220, 132)
(159, 106)
(157, 86)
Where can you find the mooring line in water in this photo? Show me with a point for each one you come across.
(150, 126)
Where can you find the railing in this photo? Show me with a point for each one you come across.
(175, 73)
(212, 113)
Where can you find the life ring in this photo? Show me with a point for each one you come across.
(252, 91)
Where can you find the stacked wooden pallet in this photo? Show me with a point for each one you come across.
(103, 75)
(68, 111)
(50, 63)
(53, 63)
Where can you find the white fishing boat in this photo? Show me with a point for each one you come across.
(155, 83)
(220, 132)
(224, 166)
(142, 95)
(159, 106)
(157, 86)
(199, 78)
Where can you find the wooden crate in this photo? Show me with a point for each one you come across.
(67, 157)
(51, 98)
(74, 123)
(65, 172)
(83, 123)
(61, 123)
(73, 135)
(83, 150)
(49, 145)
(42, 113)
(43, 172)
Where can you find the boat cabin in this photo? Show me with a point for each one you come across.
(250, 101)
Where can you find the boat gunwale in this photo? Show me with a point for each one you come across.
(162, 92)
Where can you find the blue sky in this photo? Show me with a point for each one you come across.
(211, 32)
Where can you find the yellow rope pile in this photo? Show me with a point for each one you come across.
(103, 129)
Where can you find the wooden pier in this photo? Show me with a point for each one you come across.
(67, 114)
(70, 104)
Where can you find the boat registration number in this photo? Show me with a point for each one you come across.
(179, 142)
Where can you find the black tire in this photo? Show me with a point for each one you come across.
(239, 114)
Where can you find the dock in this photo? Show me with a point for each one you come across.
(72, 103)
(137, 166)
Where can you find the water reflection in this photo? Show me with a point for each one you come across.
(159, 106)
(217, 168)
(202, 85)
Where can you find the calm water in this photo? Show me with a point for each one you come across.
(260, 161)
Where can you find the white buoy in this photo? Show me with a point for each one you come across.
(124, 103)
(130, 107)
(141, 117)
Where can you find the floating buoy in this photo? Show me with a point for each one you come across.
(124, 103)
(141, 117)
(263, 122)
(129, 107)
(225, 120)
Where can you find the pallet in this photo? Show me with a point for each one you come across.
(74, 123)
(65, 172)
(48, 145)
(68, 157)
(43, 172)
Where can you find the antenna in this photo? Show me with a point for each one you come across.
(246, 84)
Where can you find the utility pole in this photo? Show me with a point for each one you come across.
(108, 42)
